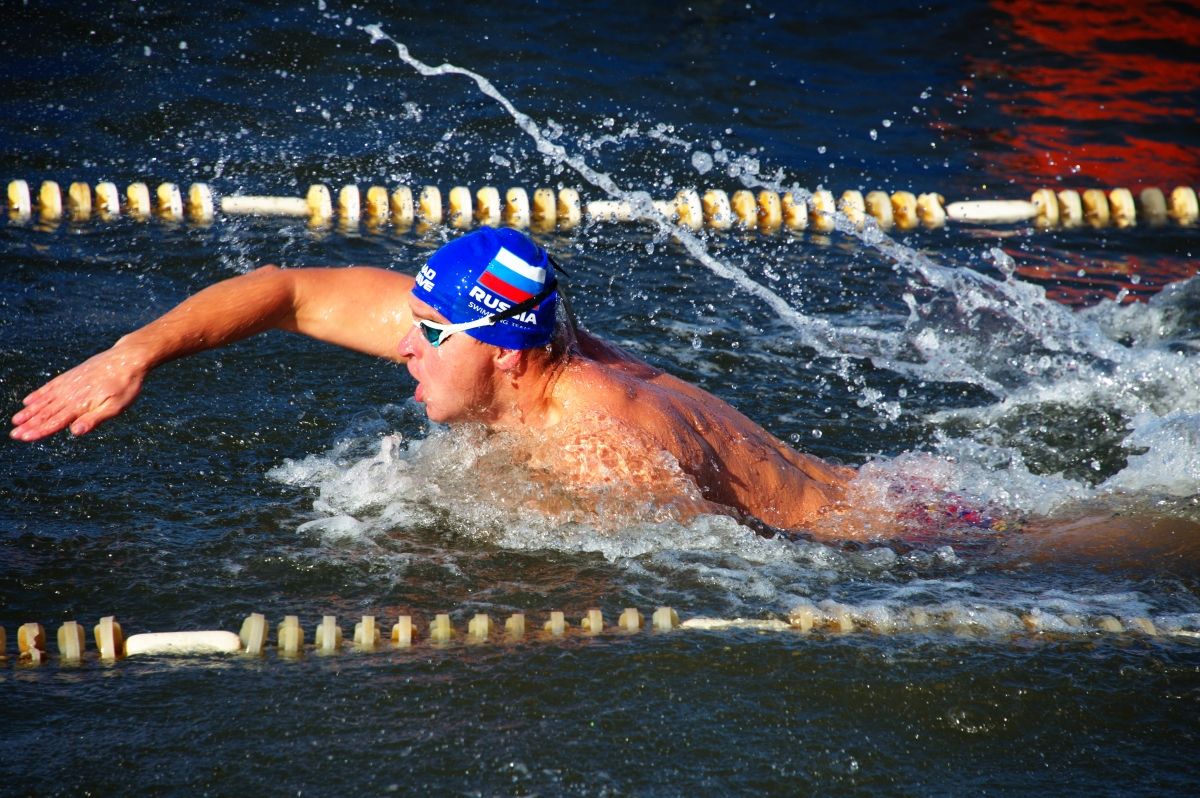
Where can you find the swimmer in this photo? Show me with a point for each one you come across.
(488, 336)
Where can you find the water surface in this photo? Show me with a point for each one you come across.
(1048, 378)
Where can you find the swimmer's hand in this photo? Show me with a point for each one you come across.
(82, 398)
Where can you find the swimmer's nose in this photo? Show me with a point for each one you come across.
(408, 344)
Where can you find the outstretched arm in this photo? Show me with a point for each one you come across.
(359, 308)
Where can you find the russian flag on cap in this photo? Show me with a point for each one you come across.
(512, 278)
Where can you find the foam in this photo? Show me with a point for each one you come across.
(1170, 462)
(712, 564)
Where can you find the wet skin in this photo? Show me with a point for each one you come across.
(606, 418)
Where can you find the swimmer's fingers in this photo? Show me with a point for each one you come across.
(47, 421)
(50, 417)
(39, 399)
(45, 412)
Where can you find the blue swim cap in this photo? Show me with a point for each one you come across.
(487, 272)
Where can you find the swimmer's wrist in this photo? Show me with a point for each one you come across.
(138, 353)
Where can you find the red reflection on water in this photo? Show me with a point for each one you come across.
(1101, 94)
(1105, 92)
(1084, 279)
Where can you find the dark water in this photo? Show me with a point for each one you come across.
(1050, 377)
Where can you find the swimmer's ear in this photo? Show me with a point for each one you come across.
(507, 359)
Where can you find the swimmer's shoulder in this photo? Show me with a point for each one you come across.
(363, 308)
(595, 386)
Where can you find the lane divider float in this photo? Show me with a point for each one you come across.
(829, 617)
(546, 210)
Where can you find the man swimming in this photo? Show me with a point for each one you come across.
(484, 333)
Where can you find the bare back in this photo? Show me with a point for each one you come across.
(638, 413)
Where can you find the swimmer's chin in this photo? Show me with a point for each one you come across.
(431, 413)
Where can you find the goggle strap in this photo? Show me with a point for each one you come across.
(521, 307)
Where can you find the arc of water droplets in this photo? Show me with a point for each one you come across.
(815, 333)
(1024, 305)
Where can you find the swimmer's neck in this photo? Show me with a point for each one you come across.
(528, 395)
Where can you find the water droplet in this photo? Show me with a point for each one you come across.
(702, 162)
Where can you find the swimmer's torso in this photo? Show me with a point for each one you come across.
(624, 421)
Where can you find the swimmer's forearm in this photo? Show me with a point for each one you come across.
(359, 308)
(221, 314)
(106, 384)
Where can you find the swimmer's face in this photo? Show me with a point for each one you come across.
(456, 380)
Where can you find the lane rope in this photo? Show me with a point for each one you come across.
(826, 618)
(544, 209)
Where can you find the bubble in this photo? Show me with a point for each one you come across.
(702, 162)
